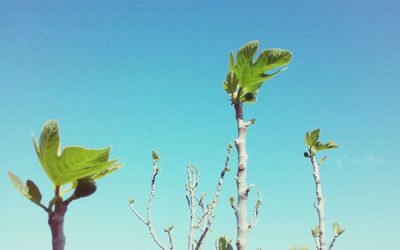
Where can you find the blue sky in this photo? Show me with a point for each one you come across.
(140, 75)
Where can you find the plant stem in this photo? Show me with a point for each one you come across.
(320, 204)
(242, 188)
(56, 223)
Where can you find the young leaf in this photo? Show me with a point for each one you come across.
(322, 160)
(251, 75)
(231, 82)
(314, 136)
(246, 53)
(155, 155)
(337, 230)
(224, 243)
(315, 232)
(72, 163)
(270, 59)
(320, 147)
(307, 140)
(30, 190)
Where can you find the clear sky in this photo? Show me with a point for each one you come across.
(140, 75)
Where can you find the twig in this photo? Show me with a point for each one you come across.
(193, 177)
(333, 242)
(148, 222)
(168, 231)
(212, 206)
(254, 219)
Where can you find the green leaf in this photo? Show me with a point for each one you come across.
(72, 163)
(270, 59)
(224, 243)
(246, 53)
(29, 190)
(307, 140)
(337, 230)
(315, 232)
(320, 146)
(231, 61)
(231, 82)
(155, 155)
(322, 160)
(314, 136)
(251, 75)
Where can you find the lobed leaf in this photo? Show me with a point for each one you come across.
(246, 77)
(314, 136)
(72, 163)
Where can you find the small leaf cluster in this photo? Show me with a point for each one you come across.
(337, 230)
(224, 243)
(246, 76)
(314, 145)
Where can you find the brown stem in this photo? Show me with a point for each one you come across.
(56, 223)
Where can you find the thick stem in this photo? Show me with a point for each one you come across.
(320, 204)
(242, 188)
(56, 223)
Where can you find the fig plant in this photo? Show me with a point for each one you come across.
(72, 168)
(314, 145)
(243, 82)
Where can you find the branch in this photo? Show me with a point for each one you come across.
(168, 231)
(319, 206)
(254, 219)
(193, 178)
(333, 242)
(148, 222)
(212, 206)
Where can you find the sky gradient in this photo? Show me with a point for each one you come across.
(140, 75)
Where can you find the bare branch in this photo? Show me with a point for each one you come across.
(147, 222)
(168, 231)
(212, 206)
(332, 242)
(254, 219)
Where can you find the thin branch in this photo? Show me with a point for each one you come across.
(333, 242)
(254, 219)
(168, 231)
(193, 177)
(212, 206)
(147, 221)
(43, 206)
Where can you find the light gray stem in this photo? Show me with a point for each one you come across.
(192, 174)
(213, 205)
(148, 222)
(242, 188)
(320, 204)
